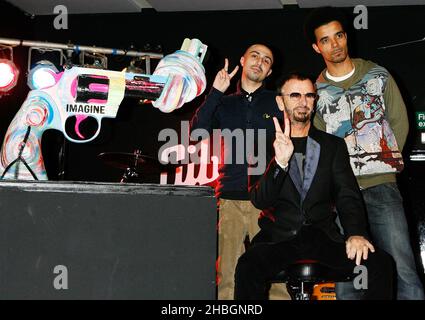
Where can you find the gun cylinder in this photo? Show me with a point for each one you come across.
(92, 88)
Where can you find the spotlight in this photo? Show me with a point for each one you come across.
(8, 71)
(43, 75)
(8, 75)
(99, 60)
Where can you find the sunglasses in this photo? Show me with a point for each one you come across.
(297, 95)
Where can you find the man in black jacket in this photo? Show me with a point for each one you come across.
(243, 113)
(309, 175)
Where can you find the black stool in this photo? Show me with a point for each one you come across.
(302, 275)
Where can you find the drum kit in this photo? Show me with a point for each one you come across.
(135, 165)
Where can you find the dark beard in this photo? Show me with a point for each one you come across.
(255, 78)
(304, 118)
(340, 59)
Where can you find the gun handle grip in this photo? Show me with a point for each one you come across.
(22, 148)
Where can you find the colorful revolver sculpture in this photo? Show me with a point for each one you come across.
(77, 99)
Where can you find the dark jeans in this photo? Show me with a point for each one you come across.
(263, 261)
(390, 232)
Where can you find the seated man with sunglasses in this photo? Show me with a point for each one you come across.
(309, 175)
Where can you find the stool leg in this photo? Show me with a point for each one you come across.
(300, 290)
(305, 292)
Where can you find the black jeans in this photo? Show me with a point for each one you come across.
(262, 261)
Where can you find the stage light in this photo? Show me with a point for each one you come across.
(99, 60)
(8, 75)
(43, 75)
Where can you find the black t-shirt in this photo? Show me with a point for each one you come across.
(300, 145)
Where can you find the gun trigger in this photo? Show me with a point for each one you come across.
(79, 118)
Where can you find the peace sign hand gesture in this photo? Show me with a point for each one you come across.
(282, 145)
(222, 79)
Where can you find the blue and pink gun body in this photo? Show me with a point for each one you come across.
(80, 94)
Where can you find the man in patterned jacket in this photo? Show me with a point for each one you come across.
(360, 102)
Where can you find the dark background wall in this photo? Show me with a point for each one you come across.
(227, 34)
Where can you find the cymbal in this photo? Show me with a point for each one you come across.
(139, 162)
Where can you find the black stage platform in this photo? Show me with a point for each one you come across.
(106, 241)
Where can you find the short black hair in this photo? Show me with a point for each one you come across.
(321, 16)
(264, 44)
(290, 76)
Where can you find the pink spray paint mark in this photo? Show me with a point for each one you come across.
(74, 88)
(98, 101)
(98, 87)
(98, 77)
(57, 76)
